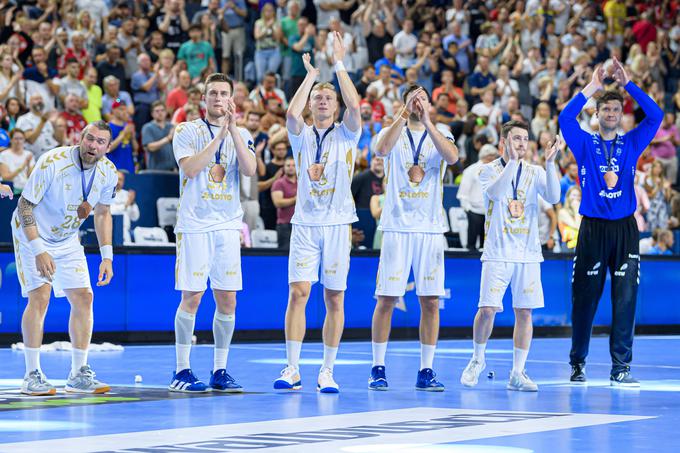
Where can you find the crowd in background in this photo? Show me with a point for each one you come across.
(139, 65)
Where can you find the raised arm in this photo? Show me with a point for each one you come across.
(103, 226)
(550, 188)
(294, 121)
(350, 97)
(445, 147)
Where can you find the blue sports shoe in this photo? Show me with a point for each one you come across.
(220, 381)
(427, 381)
(186, 381)
(377, 381)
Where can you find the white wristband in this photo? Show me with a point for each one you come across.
(106, 252)
(37, 246)
(339, 66)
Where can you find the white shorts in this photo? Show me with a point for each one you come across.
(215, 254)
(69, 260)
(401, 251)
(523, 278)
(328, 246)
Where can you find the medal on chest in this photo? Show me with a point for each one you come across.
(217, 172)
(85, 208)
(610, 176)
(516, 206)
(316, 169)
(416, 172)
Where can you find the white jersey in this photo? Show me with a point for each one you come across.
(511, 239)
(415, 207)
(327, 201)
(55, 187)
(206, 205)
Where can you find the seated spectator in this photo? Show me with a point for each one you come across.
(664, 147)
(389, 60)
(542, 120)
(447, 87)
(123, 144)
(157, 139)
(368, 183)
(75, 123)
(111, 66)
(659, 192)
(664, 243)
(568, 180)
(112, 92)
(124, 204)
(367, 77)
(16, 163)
(9, 78)
(284, 195)
(488, 108)
(405, 42)
(569, 219)
(39, 131)
(70, 84)
(369, 129)
(273, 115)
(11, 114)
(377, 106)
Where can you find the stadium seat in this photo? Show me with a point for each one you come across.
(150, 236)
(266, 239)
(167, 211)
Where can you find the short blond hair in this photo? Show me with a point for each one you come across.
(323, 86)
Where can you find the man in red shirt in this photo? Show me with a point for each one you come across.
(180, 95)
(284, 194)
(447, 87)
(75, 123)
(644, 30)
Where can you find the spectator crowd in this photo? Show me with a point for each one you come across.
(139, 65)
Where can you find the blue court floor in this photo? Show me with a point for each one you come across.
(145, 417)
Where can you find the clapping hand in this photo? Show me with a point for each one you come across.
(557, 145)
(307, 61)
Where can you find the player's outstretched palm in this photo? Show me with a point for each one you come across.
(307, 61)
(620, 74)
(598, 76)
(557, 145)
(338, 47)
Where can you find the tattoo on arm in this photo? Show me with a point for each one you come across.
(26, 212)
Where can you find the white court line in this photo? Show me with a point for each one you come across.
(402, 426)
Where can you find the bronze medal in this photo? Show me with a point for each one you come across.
(84, 210)
(315, 171)
(416, 174)
(516, 208)
(217, 172)
(611, 178)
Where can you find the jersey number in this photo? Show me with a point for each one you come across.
(71, 222)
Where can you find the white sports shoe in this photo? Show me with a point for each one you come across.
(471, 373)
(326, 383)
(289, 380)
(521, 382)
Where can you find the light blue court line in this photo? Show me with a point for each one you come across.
(41, 425)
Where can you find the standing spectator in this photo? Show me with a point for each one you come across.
(659, 192)
(405, 45)
(369, 129)
(267, 89)
(471, 197)
(478, 81)
(368, 183)
(488, 108)
(327, 9)
(130, 44)
(145, 92)
(40, 78)
(168, 73)
(568, 180)
(173, 23)
(274, 171)
(235, 14)
(123, 146)
(75, 123)
(16, 163)
(124, 204)
(284, 195)
(157, 139)
(664, 147)
(267, 34)
(274, 114)
(111, 66)
(180, 94)
(569, 219)
(193, 102)
(9, 78)
(376, 35)
(70, 84)
(93, 112)
(289, 29)
(447, 87)
(215, 16)
(197, 53)
(38, 130)
(300, 43)
(615, 12)
(112, 92)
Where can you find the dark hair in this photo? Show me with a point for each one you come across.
(510, 125)
(254, 111)
(270, 74)
(195, 27)
(609, 96)
(158, 103)
(287, 158)
(194, 90)
(413, 87)
(14, 131)
(218, 77)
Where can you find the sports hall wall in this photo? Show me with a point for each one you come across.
(141, 297)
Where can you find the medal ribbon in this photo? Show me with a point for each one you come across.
(212, 137)
(88, 188)
(515, 183)
(416, 151)
(608, 153)
(319, 141)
